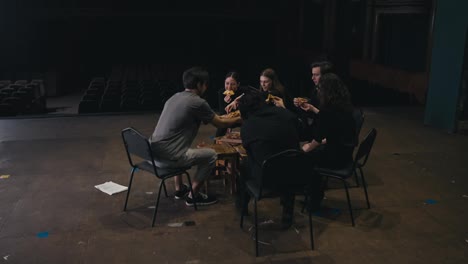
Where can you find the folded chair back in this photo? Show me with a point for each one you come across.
(365, 148)
(358, 116)
(136, 144)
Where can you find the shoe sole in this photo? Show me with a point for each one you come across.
(180, 197)
(201, 204)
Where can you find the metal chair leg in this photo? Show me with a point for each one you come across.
(191, 191)
(356, 178)
(364, 183)
(129, 187)
(256, 228)
(165, 190)
(157, 203)
(311, 231)
(349, 201)
(306, 200)
(242, 218)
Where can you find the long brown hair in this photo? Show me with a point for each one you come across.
(276, 84)
(333, 93)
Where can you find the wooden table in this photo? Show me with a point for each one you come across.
(226, 153)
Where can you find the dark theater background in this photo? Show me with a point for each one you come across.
(83, 83)
(382, 48)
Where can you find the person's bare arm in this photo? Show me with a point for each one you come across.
(225, 122)
(311, 145)
(231, 106)
(309, 107)
(277, 101)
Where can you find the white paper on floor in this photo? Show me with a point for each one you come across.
(111, 187)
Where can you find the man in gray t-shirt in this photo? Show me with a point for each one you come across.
(177, 128)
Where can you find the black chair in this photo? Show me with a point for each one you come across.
(291, 168)
(138, 145)
(358, 116)
(360, 160)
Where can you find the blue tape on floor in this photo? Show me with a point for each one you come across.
(42, 234)
(430, 201)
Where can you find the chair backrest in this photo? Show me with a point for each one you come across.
(365, 148)
(358, 116)
(136, 144)
(287, 169)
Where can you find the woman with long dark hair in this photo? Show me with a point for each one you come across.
(273, 90)
(334, 130)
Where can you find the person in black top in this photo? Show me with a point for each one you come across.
(270, 84)
(307, 118)
(334, 130)
(228, 95)
(266, 130)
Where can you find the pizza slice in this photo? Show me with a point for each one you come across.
(271, 98)
(229, 92)
(232, 114)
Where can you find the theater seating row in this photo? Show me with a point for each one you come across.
(22, 97)
(125, 95)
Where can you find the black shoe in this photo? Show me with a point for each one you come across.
(286, 221)
(182, 192)
(287, 217)
(201, 199)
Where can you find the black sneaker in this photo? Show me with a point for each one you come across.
(201, 199)
(182, 192)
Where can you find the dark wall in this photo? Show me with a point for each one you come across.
(403, 41)
(82, 39)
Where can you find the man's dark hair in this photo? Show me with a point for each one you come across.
(325, 66)
(193, 76)
(251, 101)
(234, 75)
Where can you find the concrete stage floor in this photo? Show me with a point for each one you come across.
(50, 211)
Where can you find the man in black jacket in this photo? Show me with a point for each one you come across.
(266, 130)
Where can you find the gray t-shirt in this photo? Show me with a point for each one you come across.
(178, 125)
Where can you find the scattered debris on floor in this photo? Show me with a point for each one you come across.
(5, 176)
(6, 257)
(270, 221)
(260, 242)
(181, 224)
(297, 231)
(111, 187)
